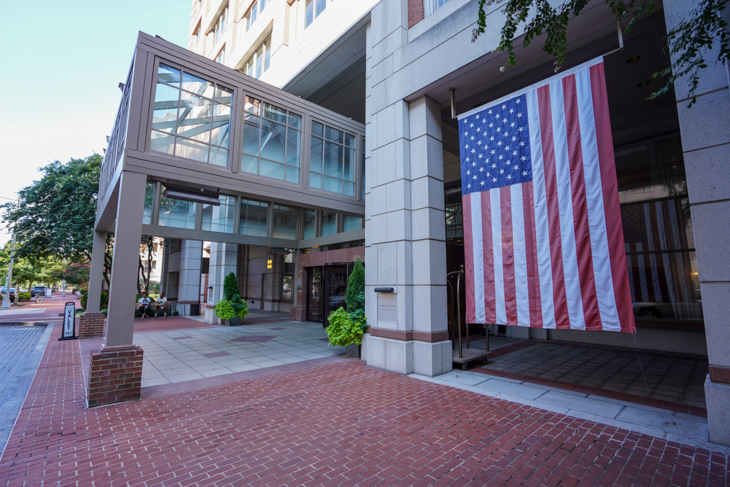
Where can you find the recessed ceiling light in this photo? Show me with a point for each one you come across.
(643, 83)
(633, 59)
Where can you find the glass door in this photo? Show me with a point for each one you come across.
(315, 291)
(335, 285)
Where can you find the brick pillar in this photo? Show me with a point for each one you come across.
(91, 325)
(115, 375)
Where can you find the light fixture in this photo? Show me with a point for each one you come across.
(633, 59)
(269, 264)
(388, 290)
(643, 83)
(202, 196)
(279, 251)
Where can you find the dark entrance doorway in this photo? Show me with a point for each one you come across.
(326, 288)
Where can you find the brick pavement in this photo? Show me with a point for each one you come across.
(338, 424)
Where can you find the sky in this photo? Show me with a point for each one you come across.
(60, 68)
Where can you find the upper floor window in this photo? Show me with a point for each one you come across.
(196, 36)
(221, 57)
(253, 12)
(429, 6)
(332, 160)
(191, 118)
(259, 61)
(271, 141)
(220, 24)
(312, 10)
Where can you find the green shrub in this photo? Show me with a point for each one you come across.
(235, 307)
(102, 302)
(345, 329)
(23, 296)
(230, 286)
(355, 296)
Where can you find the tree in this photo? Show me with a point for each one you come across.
(55, 215)
(230, 286)
(355, 295)
(689, 41)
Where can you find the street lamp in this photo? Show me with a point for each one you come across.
(6, 301)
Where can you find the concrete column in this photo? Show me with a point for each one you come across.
(223, 261)
(96, 274)
(127, 234)
(191, 255)
(705, 131)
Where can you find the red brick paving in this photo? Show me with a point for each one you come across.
(338, 424)
(151, 325)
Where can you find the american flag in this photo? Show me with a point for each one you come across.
(543, 240)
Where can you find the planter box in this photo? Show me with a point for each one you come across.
(235, 321)
(353, 350)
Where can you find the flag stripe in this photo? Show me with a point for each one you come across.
(476, 235)
(522, 291)
(468, 261)
(660, 287)
(669, 278)
(534, 302)
(489, 295)
(495, 207)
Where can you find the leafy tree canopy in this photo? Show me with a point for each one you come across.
(690, 41)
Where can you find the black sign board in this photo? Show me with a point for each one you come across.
(69, 321)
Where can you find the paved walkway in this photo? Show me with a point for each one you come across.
(340, 423)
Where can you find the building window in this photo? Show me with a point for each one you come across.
(148, 195)
(191, 118)
(285, 222)
(329, 224)
(271, 141)
(220, 24)
(253, 13)
(196, 36)
(219, 218)
(259, 61)
(177, 213)
(312, 10)
(287, 278)
(253, 218)
(332, 160)
(310, 224)
(221, 57)
(351, 223)
(429, 6)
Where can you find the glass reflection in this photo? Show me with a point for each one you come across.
(219, 218)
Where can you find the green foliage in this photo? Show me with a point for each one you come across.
(230, 286)
(239, 306)
(23, 296)
(355, 296)
(235, 307)
(689, 41)
(103, 302)
(343, 329)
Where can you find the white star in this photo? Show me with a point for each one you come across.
(501, 171)
(499, 143)
(520, 129)
(514, 153)
(509, 176)
(474, 177)
(522, 143)
(512, 124)
(487, 174)
(514, 138)
(478, 129)
(466, 146)
(473, 164)
(504, 121)
(493, 152)
(506, 148)
(468, 185)
(477, 115)
(524, 173)
(500, 158)
(491, 125)
(482, 183)
(519, 115)
(490, 111)
(508, 163)
(504, 106)
(491, 138)
(494, 180)
(466, 133)
(494, 165)
(511, 110)
(467, 159)
(523, 158)
(480, 156)
(479, 142)
(468, 173)
(499, 129)
(484, 120)
(481, 169)
(517, 101)
(471, 125)
(473, 151)
(471, 138)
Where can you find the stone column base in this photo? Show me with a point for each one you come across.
(91, 325)
(407, 356)
(115, 375)
(717, 398)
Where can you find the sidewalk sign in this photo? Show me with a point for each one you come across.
(69, 321)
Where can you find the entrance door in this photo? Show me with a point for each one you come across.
(263, 290)
(335, 287)
(315, 294)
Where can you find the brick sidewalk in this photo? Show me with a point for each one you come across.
(337, 424)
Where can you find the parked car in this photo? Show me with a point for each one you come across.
(36, 290)
(12, 293)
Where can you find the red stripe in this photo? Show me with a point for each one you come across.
(508, 256)
(490, 299)
(551, 191)
(581, 226)
(533, 276)
(614, 230)
(469, 260)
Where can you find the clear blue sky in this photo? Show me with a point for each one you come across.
(60, 65)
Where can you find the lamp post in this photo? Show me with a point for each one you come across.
(9, 280)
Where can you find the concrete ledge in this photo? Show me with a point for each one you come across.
(115, 375)
(717, 397)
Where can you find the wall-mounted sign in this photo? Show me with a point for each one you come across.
(69, 321)
(388, 308)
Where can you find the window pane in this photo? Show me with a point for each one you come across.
(273, 140)
(285, 222)
(308, 13)
(333, 159)
(329, 224)
(295, 120)
(223, 95)
(253, 218)
(349, 140)
(218, 156)
(293, 143)
(253, 105)
(177, 213)
(165, 113)
(271, 169)
(310, 224)
(257, 73)
(274, 113)
(168, 74)
(349, 189)
(332, 184)
(334, 134)
(267, 54)
(147, 213)
(251, 135)
(315, 155)
(292, 174)
(315, 180)
(219, 218)
(249, 164)
(195, 84)
(194, 118)
(317, 129)
(349, 173)
(221, 125)
(160, 142)
(321, 4)
(351, 223)
(191, 150)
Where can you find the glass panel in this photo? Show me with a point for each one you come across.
(271, 169)
(349, 189)
(295, 120)
(308, 13)
(267, 54)
(160, 142)
(287, 287)
(349, 173)
(349, 140)
(293, 143)
(329, 224)
(218, 156)
(177, 213)
(147, 213)
(194, 118)
(191, 150)
(251, 135)
(259, 65)
(334, 134)
(315, 155)
(253, 218)
(249, 164)
(253, 105)
(315, 180)
(169, 75)
(310, 224)
(351, 223)
(285, 222)
(292, 174)
(221, 125)
(273, 140)
(333, 159)
(321, 4)
(332, 184)
(262, 5)
(274, 113)
(219, 218)
(165, 113)
(315, 294)
(195, 84)
(317, 129)
(223, 95)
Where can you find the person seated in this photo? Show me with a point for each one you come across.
(143, 305)
(161, 304)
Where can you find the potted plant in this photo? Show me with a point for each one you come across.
(232, 309)
(347, 326)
